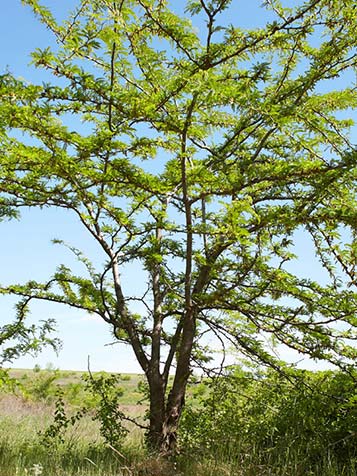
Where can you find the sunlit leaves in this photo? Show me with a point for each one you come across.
(197, 150)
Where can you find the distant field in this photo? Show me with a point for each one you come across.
(70, 381)
(131, 384)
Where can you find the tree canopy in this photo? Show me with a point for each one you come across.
(208, 146)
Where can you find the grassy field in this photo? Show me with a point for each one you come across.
(83, 453)
(25, 415)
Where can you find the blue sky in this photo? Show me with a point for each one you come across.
(26, 251)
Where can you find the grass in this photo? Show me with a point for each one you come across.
(25, 415)
(83, 453)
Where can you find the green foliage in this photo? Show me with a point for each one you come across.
(104, 388)
(100, 400)
(17, 339)
(209, 148)
(42, 386)
(7, 382)
(253, 152)
(301, 418)
(55, 433)
(74, 392)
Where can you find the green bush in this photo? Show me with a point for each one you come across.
(42, 386)
(302, 418)
(101, 402)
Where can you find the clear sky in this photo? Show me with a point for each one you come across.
(26, 251)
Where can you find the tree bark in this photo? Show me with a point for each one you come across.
(165, 413)
(157, 390)
(164, 419)
(167, 441)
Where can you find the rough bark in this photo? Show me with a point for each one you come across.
(164, 419)
(165, 413)
(157, 412)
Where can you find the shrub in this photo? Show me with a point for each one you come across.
(303, 417)
(101, 402)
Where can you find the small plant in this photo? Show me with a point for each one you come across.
(42, 387)
(7, 383)
(105, 389)
(102, 404)
(55, 433)
(126, 378)
(74, 393)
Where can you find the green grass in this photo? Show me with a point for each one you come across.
(84, 453)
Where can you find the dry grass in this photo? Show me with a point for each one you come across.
(19, 407)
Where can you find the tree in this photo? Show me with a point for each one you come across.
(208, 146)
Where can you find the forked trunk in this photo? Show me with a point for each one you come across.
(162, 434)
(164, 419)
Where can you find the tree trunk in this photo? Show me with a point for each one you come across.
(170, 426)
(165, 416)
(164, 422)
(164, 419)
(157, 412)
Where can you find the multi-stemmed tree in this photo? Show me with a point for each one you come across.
(208, 146)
